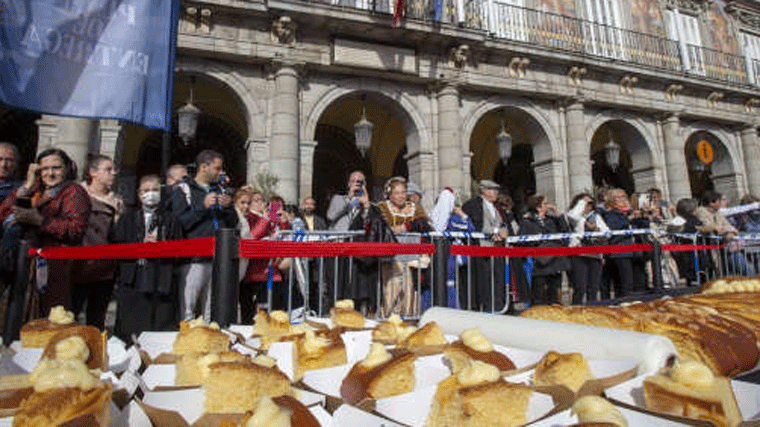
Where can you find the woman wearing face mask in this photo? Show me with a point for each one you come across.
(148, 299)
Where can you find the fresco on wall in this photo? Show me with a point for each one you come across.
(720, 30)
(560, 7)
(646, 17)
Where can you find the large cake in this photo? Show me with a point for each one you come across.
(690, 389)
(379, 375)
(38, 332)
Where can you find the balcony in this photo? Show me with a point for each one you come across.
(535, 28)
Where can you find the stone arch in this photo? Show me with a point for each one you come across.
(540, 134)
(227, 76)
(726, 171)
(640, 144)
(398, 102)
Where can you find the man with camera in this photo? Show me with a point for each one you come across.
(344, 208)
(202, 206)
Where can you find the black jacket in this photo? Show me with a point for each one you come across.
(195, 219)
(150, 275)
(546, 265)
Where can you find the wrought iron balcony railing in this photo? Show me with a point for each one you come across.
(559, 32)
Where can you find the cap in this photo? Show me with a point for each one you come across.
(487, 183)
(412, 188)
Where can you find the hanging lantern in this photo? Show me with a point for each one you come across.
(504, 144)
(363, 133)
(612, 153)
(187, 120)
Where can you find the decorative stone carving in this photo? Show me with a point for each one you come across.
(751, 105)
(204, 25)
(626, 84)
(284, 30)
(189, 19)
(713, 98)
(693, 7)
(672, 91)
(459, 55)
(744, 13)
(575, 75)
(517, 66)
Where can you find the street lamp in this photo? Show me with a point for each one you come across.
(363, 132)
(612, 152)
(187, 120)
(504, 144)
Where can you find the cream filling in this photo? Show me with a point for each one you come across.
(314, 344)
(50, 374)
(347, 304)
(60, 316)
(594, 409)
(377, 356)
(72, 348)
(268, 414)
(691, 373)
(478, 373)
(475, 340)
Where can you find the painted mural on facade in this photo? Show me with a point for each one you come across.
(646, 17)
(560, 7)
(721, 32)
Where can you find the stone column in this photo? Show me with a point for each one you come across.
(578, 150)
(256, 153)
(47, 132)
(74, 137)
(307, 168)
(110, 145)
(449, 144)
(283, 148)
(675, 161)
(751, 155)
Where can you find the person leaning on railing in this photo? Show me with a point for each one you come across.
(714, 222)
(542, 217)
(688, 224)
(586, 271)
(618, 216)
(50, 209)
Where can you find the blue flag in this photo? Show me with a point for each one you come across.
(110, 59)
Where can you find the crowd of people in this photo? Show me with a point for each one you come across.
(52, 207)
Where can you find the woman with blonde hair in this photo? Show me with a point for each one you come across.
(402, 216)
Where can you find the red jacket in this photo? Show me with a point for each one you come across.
(65, 215)
(257, 267)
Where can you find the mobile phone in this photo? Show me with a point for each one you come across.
(274, 207)
(24, 202)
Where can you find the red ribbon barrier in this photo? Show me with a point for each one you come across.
(689, 248)
(284, 249)
(522, 252)
(189, 248)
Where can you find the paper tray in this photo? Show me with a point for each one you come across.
(747, 397)
(634, 418)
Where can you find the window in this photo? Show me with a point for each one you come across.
(508, 20)
(751, 44)
(685, 29)
(603, 30)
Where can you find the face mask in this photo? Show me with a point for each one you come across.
(150, 198)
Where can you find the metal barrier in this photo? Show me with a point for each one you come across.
(459, 272)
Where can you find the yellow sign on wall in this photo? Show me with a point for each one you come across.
(705, 152)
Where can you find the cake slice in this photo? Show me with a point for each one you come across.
(478, 396)
(478, 347)
(237, 387)
(391, 330)
(379, 375)
(690, 389)
(311, 351)
(274, 323)
(197, 337)
(568, 369)
(426, 340)
(38, 332)
(344, 315)
(64, 390)
(192, 368)
(93, 339)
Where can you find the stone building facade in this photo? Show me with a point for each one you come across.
(280, 84)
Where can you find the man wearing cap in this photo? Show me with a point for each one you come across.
(486, 219)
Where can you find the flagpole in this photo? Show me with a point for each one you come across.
(166, 152)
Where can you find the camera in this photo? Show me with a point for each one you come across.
(220, 186)
(24, 202)
(360, 191)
